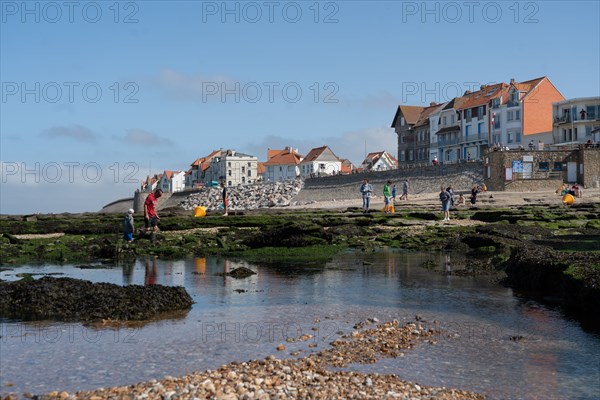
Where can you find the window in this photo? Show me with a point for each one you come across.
(517, 115)
(575, 134)
(496, 103)
(243, 179)
(480, 128)
(452, 119)
(510, 116)
(410, 155)
(249, 165)
(557, 166)
(591, 112)
(229, 164)
(511, 137)
(229, 172)
(444, 121)
(229, 184)
(480, 112)
(544, 166)
(497, 121)
(321, 166)
(468, 114)
(401, 120)
(249, 173)
(402, 156)
(467, 130)
(243, 170)
(496, 139)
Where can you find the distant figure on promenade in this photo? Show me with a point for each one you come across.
(435, 161)
(468, 156)
(531, 144)
(404, 190)
(474, 192)
(387, 196)
(151, 217)
(366, 190)
(225, 196)
(394, 191)
(128, 227)
(445, 199)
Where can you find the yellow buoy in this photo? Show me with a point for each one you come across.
(568, 199)
(200, 212)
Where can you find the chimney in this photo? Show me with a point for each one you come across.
(482, 87)
(467, 92)
(433, 103)
(512, 81)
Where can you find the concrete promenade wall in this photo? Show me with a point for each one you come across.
(421, 180)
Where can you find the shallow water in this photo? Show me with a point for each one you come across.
(555, 359)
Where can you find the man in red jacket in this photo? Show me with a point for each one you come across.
(151, 218)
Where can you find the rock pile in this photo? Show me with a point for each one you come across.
(246, 197)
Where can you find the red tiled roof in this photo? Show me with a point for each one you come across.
(284, 157)
(260, 169)
(483, 96)
(314, 153)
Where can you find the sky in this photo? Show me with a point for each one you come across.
(97, 95)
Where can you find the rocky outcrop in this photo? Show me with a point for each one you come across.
(68, 299)
(247, 197)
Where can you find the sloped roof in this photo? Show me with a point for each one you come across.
(427, 111)
(411, 114)
(284, 157)
(482, 96)
(372, 158)
(315, 153)
(209, 157)
(260, 168)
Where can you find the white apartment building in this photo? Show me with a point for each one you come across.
(234, 168)
(575, 120)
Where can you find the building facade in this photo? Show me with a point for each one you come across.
(320, 161)
(576, 120)
(282, 165)
(234, 168)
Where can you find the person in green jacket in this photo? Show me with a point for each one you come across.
(387, 196)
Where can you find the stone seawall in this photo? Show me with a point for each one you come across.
(422, 180)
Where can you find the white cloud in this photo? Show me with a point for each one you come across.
(140, 137)
(190, 87)
(74, 132)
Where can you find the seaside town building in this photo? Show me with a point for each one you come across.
(233, 167)
(503, 115)
(576, 121)
(320, 161)
(379, 161)
(282, 165)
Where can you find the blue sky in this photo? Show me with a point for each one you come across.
(95, 95)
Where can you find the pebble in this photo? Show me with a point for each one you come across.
(311, 376)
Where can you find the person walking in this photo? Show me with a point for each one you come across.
(445, 199)
(366, 189)
(394, 191)
(151, 217)
(128, 227)
(387, 196)
(225, 196)
(404, 190)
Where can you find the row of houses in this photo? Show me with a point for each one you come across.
(512, 116)
(235, 168)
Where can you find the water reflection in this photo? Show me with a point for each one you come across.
(150, 272)
(555, 358)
